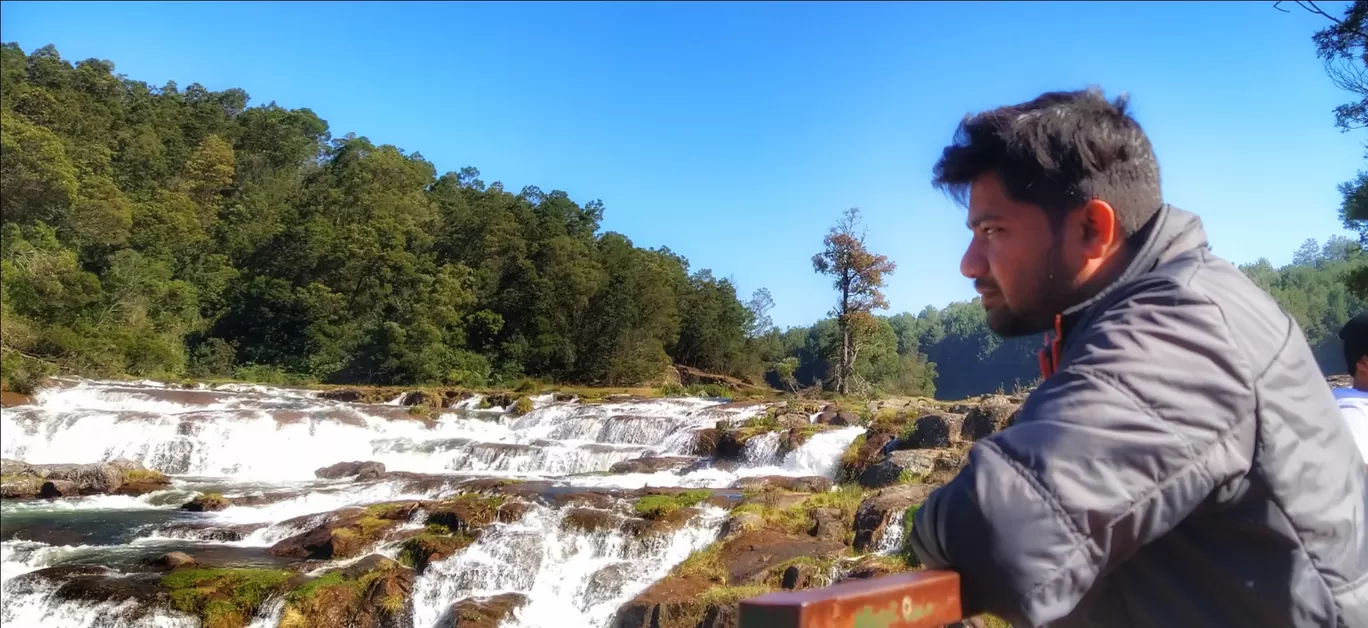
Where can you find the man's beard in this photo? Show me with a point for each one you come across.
(1051, 295)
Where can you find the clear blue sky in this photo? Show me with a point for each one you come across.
(737, 133)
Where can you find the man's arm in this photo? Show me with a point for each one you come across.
(1151, 413)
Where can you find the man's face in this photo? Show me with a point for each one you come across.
(1020, 266)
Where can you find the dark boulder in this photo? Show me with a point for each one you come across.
(357, 469)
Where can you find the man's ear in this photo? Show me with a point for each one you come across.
(1101, 232)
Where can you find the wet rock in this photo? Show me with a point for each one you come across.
(796, 437)
(142, 481)
(374, 592)
(357, 469)
(747, 557)
(827, 523)
(993, 414)
(422, 482)
(347, 533)
(607, 582)
(10, 466)
(171, 560)
(58, 488)
(591, 520)
(756, 557)
(468, 512)
(800, 576)
(899, 467)
(720, 616)
(839, 418)
(94, 585)
(500, 400)
(705, 442)
(738, 523)
(933, 431)
(672, 599)
(126, 465)
(90, 479)
(873, 567)
(775, 498)
(650, 464)
(873, 514)
(197, 531)
(207, 502)
(20, 486)
(485, 612)
(225, 598)
(348, 395)
(791, 420)
(425, 548)
(10, 399)
(420, 398)
(450, 398)
(731, 444)
(649, 527)
(807, 484)
(863, 455)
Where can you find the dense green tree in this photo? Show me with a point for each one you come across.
(167, 232)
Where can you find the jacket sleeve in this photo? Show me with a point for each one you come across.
(1152, 411)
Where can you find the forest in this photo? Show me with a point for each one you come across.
(175, 233)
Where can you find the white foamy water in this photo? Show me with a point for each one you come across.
(892, 540)
(265, 443)
(570, 578)
(21, 557)
(286, 436)
(820, 456)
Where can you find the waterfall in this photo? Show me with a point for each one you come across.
(569, 577)
(763, 450)
(892, 540)
(259, 446)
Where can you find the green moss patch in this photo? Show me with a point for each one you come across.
(433, 544)
(223, 598)
(661, 506)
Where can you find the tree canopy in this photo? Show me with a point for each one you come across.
(167, 233)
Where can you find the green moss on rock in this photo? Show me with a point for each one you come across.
(661, 506)
(223, 598)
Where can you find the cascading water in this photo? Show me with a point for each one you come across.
(892, 540)
(260, 447)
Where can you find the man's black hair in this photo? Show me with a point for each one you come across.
(1354, 335)
(1058, 151)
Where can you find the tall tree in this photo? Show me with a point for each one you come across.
(759, 305)
(1343, 47)
(857, 275)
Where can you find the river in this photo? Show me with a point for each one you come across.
(245, 440)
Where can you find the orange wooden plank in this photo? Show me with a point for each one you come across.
(922, 599)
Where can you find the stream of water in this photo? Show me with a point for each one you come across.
(254, 440)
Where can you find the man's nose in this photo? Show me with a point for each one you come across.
(973, 265)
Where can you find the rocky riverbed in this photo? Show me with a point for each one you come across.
(143, 504)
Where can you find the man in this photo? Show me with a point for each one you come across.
(1353, 401)
(1183, 462)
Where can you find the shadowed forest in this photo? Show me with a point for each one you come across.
(172, 233)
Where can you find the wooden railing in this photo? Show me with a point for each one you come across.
(922, 599)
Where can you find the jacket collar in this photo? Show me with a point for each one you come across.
(1169, 233)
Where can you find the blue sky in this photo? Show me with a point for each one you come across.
(736, 134)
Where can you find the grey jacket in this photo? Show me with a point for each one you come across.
(1184, 464)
